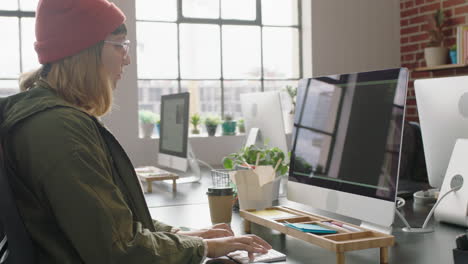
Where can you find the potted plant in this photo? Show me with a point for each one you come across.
(195, 120)
(148, 120)
(250, 155)
(289, 122)
(229, 125)
(453, 54)
(435, 53)
(211, 124)
(247, 157)
(241, 125)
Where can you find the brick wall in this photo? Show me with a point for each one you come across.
(414, 39)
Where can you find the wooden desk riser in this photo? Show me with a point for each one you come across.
(152, 174)
(340, 242)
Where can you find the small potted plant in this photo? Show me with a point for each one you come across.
(195, 120)
(211, 124)
(453, 54)
(148, 120)
(229, 125)
(241, 125)
(292, 92)
(435, 53)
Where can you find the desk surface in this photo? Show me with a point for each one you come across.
(409, 248)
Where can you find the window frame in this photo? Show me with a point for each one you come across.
(221, 22)
(18, 14)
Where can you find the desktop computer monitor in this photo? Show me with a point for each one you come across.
(263, 111)
(443, 116)
(346, 144)
(173, 141)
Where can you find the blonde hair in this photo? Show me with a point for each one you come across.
(79, 79)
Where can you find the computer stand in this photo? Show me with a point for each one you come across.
(194, 166)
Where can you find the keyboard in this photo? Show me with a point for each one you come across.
(242, 257)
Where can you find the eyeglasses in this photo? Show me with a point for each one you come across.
(124, 45)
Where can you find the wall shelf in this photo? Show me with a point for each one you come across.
(441, 67)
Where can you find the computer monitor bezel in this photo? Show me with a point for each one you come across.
(164, 100)
(380, 210)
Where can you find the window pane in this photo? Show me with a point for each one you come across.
(9, 64)
(157, 50)
(280, 52)
(8, 87)
(150, 93)
(238, 9)
(279, 12)
(200, 51)
(29, 55)
(241, 52)
(156, 10)
(200, 8)
(205, 97)
(232, 92)
(28, 5)
(9, 5)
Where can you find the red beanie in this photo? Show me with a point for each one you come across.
(66, 27)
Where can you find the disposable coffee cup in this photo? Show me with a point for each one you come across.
(220, 201)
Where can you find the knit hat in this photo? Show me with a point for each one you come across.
(66, 27)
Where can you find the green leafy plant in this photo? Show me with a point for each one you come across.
(212, 121)
(292, 92)
(241, 125)
(435, 26)
(247, 156)
(195, 120)
(453, 47)
(228, 117)
(148, 117)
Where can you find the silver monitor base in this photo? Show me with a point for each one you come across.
(418, 230)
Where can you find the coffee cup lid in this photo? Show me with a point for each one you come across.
(219, 191)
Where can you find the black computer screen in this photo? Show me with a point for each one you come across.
(347, 132)
(174, 124)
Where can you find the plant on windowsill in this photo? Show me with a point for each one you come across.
(241, 125)
(289, 122)
(195, 120)
(211, 124)
(148, 120)
(435, 53)
(229, 125)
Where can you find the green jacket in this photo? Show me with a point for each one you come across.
(77, 190)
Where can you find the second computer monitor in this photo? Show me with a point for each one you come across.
(443, 115)
(173, 141)
(263, 110)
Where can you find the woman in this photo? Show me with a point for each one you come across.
(75, 187)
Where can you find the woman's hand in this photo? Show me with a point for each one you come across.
(218, 247)
(216, 231)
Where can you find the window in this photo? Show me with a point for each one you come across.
(17, 53)
(216, 50)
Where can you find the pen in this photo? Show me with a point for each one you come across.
(345, 226)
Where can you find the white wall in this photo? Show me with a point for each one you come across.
(341, 36)
(352, 36)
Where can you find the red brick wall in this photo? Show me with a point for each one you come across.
(414, 39)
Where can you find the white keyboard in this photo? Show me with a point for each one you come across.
(241, 256)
